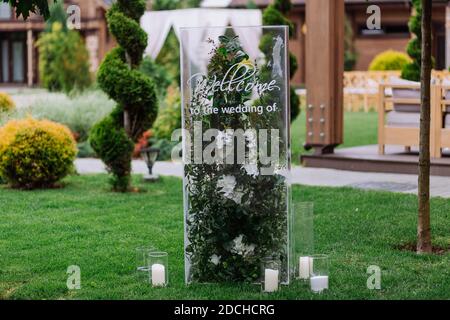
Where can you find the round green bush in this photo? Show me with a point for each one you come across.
(6, 103)
(389, 60)
(112, 144)
(35, 153)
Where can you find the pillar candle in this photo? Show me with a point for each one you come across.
(319, 283)
(158, 275)
(305, 267)
(271, 280)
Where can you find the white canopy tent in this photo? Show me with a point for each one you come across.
(158, 24)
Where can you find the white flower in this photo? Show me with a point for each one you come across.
(237, 196)
(251, 169)
(215, 259)
(250, 136)
(240, 248)
(226, 185)
(224, 138)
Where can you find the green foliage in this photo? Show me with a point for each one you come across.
(160, 75)
(284, 6)
(350, 55)
(25, 7)
(85, 150)
(35, 154)
(63, 60)
(158, 5)
(295, 104)
(251, 4)
(57, 14)
(274, 15)
(7, 105)
(389, 60)
(119, 76)
(114, 147)
(165, 147)
(293, 64)
(169, 57)
(411, 71)
(79, 112)
(169, 116)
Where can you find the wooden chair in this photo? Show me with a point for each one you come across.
(440, 118)
(361, 88)
(398, 115)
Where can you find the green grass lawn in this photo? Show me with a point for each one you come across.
(360, 128)
(43, 232)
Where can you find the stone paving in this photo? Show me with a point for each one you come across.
(404, 183)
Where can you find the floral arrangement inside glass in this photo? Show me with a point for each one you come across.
(235, 151)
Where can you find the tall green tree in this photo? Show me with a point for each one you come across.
(273, 15)
(424, 228)
(119, 76)
(63, 60)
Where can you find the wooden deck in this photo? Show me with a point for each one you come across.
(367, 159)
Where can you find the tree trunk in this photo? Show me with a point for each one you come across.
(423, 226)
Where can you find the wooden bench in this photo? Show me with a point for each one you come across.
(397, 131)
(440, 112)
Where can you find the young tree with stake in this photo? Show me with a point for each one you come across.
(423, 226)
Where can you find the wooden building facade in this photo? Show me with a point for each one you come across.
(18, 52)
(394, 33)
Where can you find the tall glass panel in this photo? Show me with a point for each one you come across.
(236, 151)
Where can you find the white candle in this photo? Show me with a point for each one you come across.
(319, 283)
(271, 280)
(158, 275)
(305, 267)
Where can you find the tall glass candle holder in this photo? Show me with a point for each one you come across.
(142, 268)
(303, 240)
(270, 274)
(158, 263)
(319, 277)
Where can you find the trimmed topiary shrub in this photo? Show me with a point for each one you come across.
(6, 103)
(35, 153)
(389, 60)
(119, 76)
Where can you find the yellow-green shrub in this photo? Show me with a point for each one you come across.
(389, 60)
(6, 103)
(35, 153)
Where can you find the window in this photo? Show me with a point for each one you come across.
(5, 11)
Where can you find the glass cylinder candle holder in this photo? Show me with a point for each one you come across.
(142, 268)
(158, 263)
(270, 274)
(303, 239)
(319, 275)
